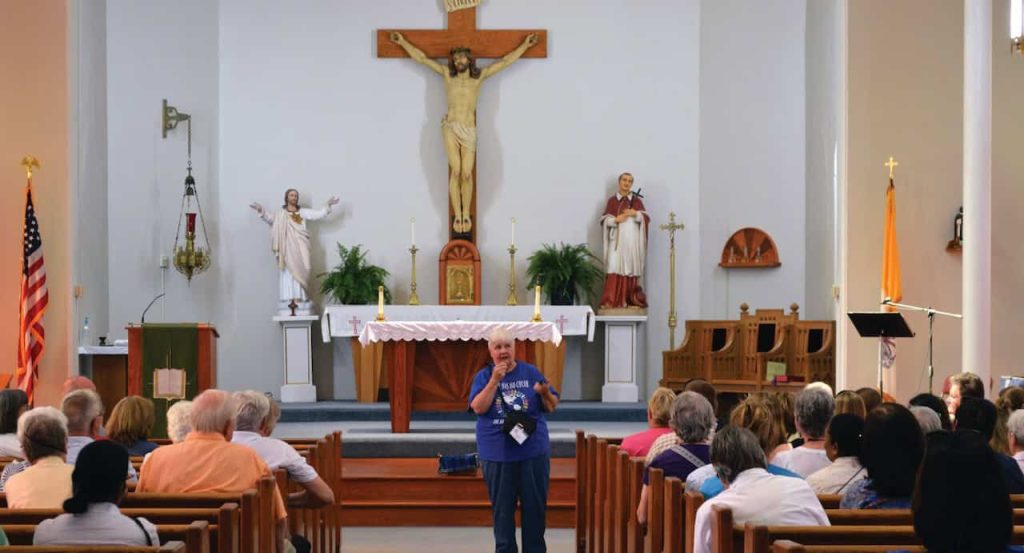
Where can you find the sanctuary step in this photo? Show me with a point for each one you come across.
(348, 411)
(410, 492)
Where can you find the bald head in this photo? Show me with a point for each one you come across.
(77, 383)
(214, 411)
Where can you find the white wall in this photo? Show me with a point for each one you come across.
(156, 51)
(294, 96)
(752, 156)
(905, 100)
(88, 66)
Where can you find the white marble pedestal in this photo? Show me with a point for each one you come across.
(620, 357)
(298, 358)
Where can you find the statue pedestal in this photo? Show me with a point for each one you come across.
(620, 357)
(296, 333)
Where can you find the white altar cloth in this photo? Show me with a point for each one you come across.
(348, 321)
(416, 331)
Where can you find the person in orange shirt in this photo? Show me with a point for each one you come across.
(207, 461)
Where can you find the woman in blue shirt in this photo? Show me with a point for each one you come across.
(510, 398)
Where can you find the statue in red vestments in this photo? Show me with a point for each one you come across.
(624, 227)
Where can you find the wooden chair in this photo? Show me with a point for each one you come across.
(692, 359)
(810, 350)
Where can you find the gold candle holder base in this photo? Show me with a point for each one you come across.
(512, 276)
(414, 298)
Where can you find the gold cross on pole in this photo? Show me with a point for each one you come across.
(892, 164)
(672, 226)
(28, 162)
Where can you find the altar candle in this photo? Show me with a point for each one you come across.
(412, 232)
(536, 300)
(380, 303)
(513, 231)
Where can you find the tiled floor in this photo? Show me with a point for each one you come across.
(432, 539)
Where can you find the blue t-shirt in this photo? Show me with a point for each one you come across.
(516, 388)
(713, 486)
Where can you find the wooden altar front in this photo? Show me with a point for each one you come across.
(426, 374)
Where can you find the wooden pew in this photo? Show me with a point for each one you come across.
(590, 521)
(674, 518)
(786, 546)
(654, 540)
(169, 547)
(634, 532)
(581, 492)
(195, 536)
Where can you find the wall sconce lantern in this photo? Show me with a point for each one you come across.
(189, 259)
(1017, 25)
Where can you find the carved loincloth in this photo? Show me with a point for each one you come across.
(465, 135)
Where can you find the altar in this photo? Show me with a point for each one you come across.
(442, 370)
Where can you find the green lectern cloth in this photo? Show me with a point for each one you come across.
(169, 346)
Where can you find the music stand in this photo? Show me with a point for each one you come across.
(876, 324)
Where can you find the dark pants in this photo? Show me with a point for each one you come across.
(527, 482)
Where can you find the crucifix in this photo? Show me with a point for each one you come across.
(461, 43)
(672, 226)
(892, 164)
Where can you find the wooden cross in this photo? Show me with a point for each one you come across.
(561, 320)
(891, 164)
(462, 32)
(355, 325)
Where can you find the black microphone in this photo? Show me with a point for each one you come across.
(146, 310)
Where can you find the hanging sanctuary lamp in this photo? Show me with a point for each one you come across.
(189, 258)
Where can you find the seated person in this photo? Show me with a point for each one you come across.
(753, 494)
(91, 514)
(46, 481)
(961, 502)
(871, 398)
(936, 404)
(813, 410)
(849, 402)
(77, 383)
(890, 451)
(927, 419)
(659, 409)
(979, 415)
(961, 385)
(178, 423)
(761, 416)
(669, 439)
(207, 462)
(692, 420)
(1015, 430)
(130, 423)
(252, 429)
(13, 402)
(842, 445)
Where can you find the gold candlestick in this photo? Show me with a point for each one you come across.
(672, 227)
(536, 304)
(380, 303)
(414, 298)
(512, 276)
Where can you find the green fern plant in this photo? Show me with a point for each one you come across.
(354, 281)
(565, 273)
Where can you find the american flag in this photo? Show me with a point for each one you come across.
(34, 298)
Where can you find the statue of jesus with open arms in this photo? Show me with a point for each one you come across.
(462, 81)
(289, 239)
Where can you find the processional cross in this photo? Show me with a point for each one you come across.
(461, 41)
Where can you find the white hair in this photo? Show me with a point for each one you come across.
(927, 418)
(500, 335)
(819, 385)
(1015, 425)
(179, 422)
(42, 431)
(252, 408)
(81, 407)
(212, 410)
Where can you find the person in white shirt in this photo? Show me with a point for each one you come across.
(92, 515)
(13, 402)
(252, 428)
(751, 492)
(813, 410)
(842, 444)
(1015, 431)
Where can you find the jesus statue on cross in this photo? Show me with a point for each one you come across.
(462, 81)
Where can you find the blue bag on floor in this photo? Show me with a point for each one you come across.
(453, 464)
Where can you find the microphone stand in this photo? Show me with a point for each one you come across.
(931, 322)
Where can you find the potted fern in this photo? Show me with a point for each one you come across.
(353, 280)
(565, 273)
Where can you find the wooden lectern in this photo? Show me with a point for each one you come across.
(206, 368)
